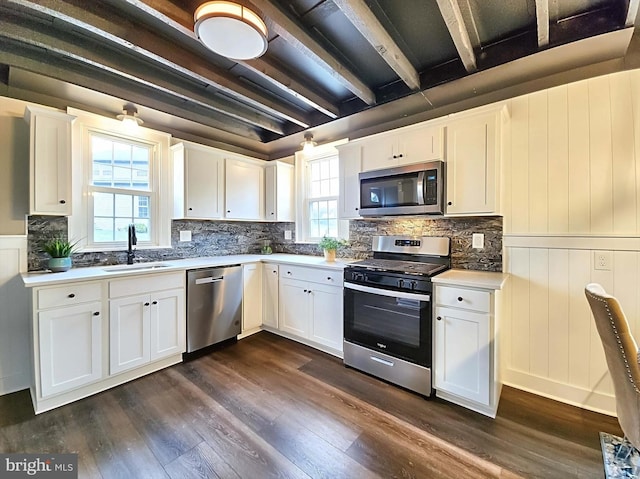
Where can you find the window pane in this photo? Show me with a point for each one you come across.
(141, 207)
(323, 225)
(314, 230)
(333, 190)
(325, 188)
(103, 204)
(122, 154)
(102, 229)
(140, 155)
(101, 150)
(322, 209)
(333, 228)
(324, 169)
(124, 206)
(315, 171)
(333, 209)
(122, 229)
(143, 229)
(315, 189)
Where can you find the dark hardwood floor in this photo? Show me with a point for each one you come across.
(270, 407)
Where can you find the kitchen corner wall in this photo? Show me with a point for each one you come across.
(218, 238)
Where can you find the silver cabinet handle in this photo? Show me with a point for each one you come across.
(381, 361)
(210, 279)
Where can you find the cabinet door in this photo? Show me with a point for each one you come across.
(471, 165)
(270, 295)
(70, 341)
(252, 296)
(418, 145)
(294, 307)
(326, 315)
(129, 334)
(350, 166)
(378, 153)
(279, 192)
(51, 164)
(244, 190)
(463, 347)
(203, 184)
(168, 324)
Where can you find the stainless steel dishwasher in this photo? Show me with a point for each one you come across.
(214, 305)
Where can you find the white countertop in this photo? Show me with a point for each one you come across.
(472, 278)
(44, 278)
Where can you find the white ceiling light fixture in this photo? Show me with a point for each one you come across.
(231, 30)
(129, 117)
(308, 144)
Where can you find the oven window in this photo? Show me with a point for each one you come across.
(394, 319)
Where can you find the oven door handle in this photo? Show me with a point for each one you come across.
(387, 292)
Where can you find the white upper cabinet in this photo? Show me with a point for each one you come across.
(279, 187)
(198, 181)
(244, 189)
(49, 161)
(350, 165)
(473, 164)
(414, 144)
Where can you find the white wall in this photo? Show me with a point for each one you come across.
(571, 182)
(14, 316)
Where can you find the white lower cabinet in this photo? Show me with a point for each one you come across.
(270, 308)
(251, 297)
(310, 305)
(146, 321)
(70, 340)
(466, 366)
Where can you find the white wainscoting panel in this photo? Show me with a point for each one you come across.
(14, 316)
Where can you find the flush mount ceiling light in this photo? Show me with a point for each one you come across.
(231, 30)
(308, 144)
(129, 116)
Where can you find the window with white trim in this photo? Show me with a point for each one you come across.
(119, 177)
(318, 196)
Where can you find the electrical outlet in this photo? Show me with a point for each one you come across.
(603, 260)
(287, 234)
(477, 241)
(185, 235)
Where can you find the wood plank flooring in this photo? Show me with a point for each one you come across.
(269, 407)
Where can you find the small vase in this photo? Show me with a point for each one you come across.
(329, 255)
(58, 265)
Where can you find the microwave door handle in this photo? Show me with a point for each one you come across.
(420, 188)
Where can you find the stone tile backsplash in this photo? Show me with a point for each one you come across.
(219, 238)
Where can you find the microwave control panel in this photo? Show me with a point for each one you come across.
(431, 187)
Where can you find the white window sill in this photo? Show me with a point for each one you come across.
(98, 249)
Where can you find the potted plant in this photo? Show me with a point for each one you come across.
(330, 245)
(60, 250)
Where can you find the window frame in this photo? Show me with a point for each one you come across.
(303, 168)
(160, 193)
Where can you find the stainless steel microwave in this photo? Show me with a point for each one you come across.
(405, 190)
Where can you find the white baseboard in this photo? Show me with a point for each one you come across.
(566, 393)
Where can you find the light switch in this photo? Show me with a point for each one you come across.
(185, 235)
(477, 241)
(287, 234)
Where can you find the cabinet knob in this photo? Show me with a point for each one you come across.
(228, 211)
(97, 313)
(460, 298)
(146, 304)
(329, 278)
(306, 291)
(289, 272)
(400, 155)
(394, 157)
(62, 202)
(275, 271)
(271, 213)
(439, 318)
(72, 295)
(190, 209)
(449, 203)
(155, 302)
(309, 291)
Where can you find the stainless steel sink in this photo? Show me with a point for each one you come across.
(134, 267)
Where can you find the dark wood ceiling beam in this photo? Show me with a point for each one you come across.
(542, 20)
(92, 59)
(293, 34)
(455, 24)
(35, 61)
(261, 67)
(361, 17)
(147, 46)
(632, 13)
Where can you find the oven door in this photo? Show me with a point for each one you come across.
(396, 323)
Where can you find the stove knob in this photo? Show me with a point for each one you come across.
(414, 284)
(401, 283)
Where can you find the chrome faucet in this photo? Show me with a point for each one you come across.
(132, 241)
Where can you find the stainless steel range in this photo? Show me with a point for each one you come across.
(388, 309)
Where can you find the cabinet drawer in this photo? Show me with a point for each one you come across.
(69, 294)
(462, 298)
(145, 284)
(314, 275)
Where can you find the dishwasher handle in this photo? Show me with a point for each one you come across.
(208, 280)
